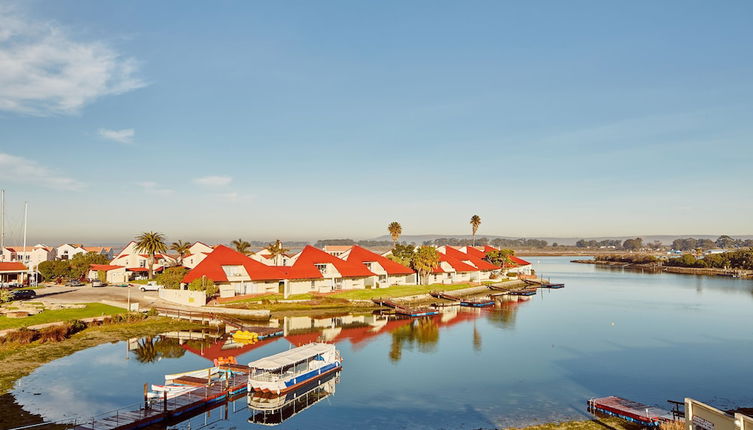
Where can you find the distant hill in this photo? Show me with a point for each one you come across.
(665, 238)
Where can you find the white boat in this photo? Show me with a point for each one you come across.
(201, 373)
(291, 369)
(158, 391)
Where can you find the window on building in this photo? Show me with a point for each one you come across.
(142, 263)
(322, 267)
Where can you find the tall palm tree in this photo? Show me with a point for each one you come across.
(181, 248)
(151, 243)
(475, 222)
(242, 246)
(276, 250)
(395, 230)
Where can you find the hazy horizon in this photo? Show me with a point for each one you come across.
(331, 119)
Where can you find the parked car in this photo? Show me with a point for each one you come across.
(74, 283)
(150, 286)
(98, 283)
(23, 294)
(9, 284)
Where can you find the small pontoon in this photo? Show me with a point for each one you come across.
(291, 369)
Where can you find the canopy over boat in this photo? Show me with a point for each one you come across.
(291, 357)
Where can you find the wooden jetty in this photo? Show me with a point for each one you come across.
(639, 413)
(552, 285)
(472, 302)
(402, 310)
(533, 281)
(166, 410)
(497, 288)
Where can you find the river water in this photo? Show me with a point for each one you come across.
(647, 337)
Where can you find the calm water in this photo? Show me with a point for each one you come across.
(649, 337)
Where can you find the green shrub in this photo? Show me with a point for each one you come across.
(152, 313)
(511, 274)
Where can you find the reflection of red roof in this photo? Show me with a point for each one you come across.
(12, 267)
(362, 255)
(311, 256)
(217, 350)
(211, 267)
(104, 267)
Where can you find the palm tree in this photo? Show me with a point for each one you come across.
(275, 250)
(475, 222)
(181, 248)
(242, 246)
(151, 243)
(424, 261)
(395, 230)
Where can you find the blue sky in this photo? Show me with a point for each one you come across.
(305, 120)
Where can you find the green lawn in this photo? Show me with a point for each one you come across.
(91, 310)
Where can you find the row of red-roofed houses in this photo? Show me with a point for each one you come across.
(317, 271)
(310, 270)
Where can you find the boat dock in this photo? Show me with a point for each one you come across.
(207, 394)
(552, 286)
(472, 302)
(402, 310)
(629, 410)
(523, 292)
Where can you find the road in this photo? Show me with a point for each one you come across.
(110, 295)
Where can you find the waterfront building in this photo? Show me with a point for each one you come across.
(386, 271)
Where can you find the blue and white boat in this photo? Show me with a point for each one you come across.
(291, 369)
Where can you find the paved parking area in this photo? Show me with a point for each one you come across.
(87, 294)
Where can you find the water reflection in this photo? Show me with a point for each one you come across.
(154, 348)
(268, 409)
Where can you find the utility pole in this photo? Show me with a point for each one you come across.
(2, 222)
(26, 214)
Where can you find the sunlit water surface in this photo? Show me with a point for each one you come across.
(648, 337)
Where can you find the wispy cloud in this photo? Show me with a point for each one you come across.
(213, 181)
(124, 136)
(43, 71)
(154, 188)
(23, 170)
(234, 196)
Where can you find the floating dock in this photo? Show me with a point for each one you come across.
(165, 410)
(639, 413)
(473, 303)
(523, 292)
(402, 310)
(552, 286)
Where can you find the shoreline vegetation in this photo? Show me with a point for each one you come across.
(738, 264)
(23, 353)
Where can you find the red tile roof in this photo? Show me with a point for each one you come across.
(478, 262)
(105, 267)
(211, 267)
(456, 264)
(361, 255)
(475, 252)
(519, 261)
(12, 267)
(311, 256)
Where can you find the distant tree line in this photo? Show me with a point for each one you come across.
(739, 259)
(481, 241)
(724, 242)
(632, 259)
(617, 243)
(365, 243)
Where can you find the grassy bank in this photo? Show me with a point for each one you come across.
(18, 360)
(594, 424)
(89, 311)
(365, 294)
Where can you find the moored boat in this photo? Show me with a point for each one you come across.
(288, 370)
